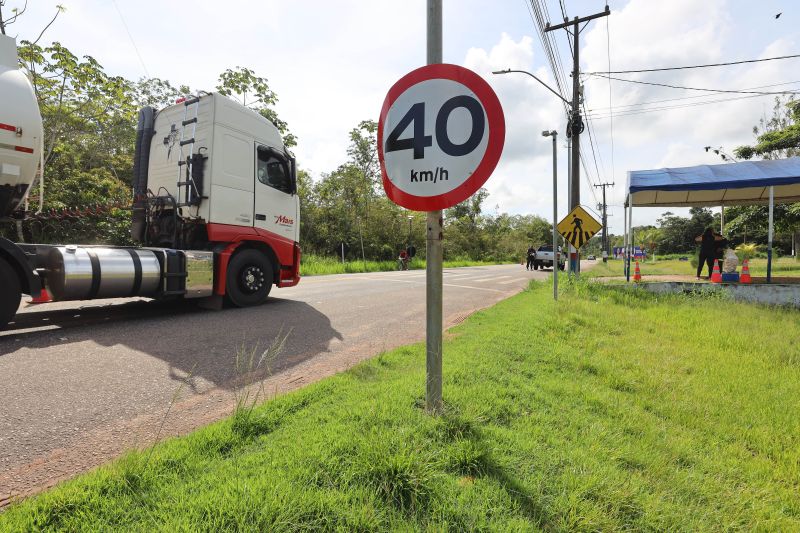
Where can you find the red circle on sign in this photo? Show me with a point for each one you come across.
(497, 133)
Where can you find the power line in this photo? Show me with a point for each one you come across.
(697, 66)
(693, 88)
(588, 179)
(128, 31)
(537, 11)
(589, 128)
(617, 108)
(630, 112)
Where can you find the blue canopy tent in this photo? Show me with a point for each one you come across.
(746, 183)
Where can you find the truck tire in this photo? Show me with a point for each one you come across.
(536, 265)
(10, 295)
(249, 278)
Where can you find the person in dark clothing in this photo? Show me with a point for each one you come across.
(531, 257)
(708, 250)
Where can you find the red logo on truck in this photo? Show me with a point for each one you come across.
(283, 220)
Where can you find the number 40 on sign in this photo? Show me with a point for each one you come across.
(440, 136)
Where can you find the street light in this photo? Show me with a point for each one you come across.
(554, 135)
(508, 71)
(573, 185)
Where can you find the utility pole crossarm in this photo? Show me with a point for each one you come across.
(577, 20)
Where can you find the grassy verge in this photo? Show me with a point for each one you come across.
(783, 266)
(612, 410)
(314, 265)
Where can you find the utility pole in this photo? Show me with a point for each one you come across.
(434, 250)
(605, 216)
(575, 126)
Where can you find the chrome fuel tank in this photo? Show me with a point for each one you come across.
(85, 273)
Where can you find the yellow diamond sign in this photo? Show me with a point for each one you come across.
(578, 227)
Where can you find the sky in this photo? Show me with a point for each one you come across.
(332, 63)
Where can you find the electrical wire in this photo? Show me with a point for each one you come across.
(619, 107)
(548, 46)
(128, 31)
(595, 153)
(697, 66)
(588, 179)
(631, 112)
(695, 88)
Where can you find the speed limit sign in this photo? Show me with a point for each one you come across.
(440, 136)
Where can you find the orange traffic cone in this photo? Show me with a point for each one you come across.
(637, 274)
(43, 298)
(716, 275)
(745, 277)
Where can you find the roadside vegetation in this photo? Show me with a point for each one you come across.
(613, 410)
(781, 267)
(314, 265)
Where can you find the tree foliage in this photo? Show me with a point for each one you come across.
(250, 90)
(778, 137)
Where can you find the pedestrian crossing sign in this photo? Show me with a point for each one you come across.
(578, 227)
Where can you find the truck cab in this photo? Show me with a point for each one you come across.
(215, 209)
(213, 174)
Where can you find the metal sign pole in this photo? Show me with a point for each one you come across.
(434, 256)
(555, 219)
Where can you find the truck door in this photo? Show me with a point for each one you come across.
(275, 206)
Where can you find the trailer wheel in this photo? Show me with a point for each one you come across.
(249, 278)
(11, 294)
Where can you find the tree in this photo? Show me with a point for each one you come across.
(778, 137)
(677, 233)
(253, 91)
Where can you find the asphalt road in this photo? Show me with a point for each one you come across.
(80, 382)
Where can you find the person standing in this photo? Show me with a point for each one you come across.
(708, 250)
(531, 257)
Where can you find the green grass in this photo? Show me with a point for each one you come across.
(614, 410)
(783, 266)
(315, 265)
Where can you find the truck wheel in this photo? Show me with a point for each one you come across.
(536, 265)
(249, 278)
(11, 294)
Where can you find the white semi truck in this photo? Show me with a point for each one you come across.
(215, 208)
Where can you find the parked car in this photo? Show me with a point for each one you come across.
(591, 258)
(544, 258)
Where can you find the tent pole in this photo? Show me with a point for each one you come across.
(633, 235)
(624, 236)
(769, 238)
(722, 220)
(628, 246)
(625, 243)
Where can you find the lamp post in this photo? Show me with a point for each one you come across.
(574, 186)
(554, 135)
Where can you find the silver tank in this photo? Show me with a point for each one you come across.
(85, 273)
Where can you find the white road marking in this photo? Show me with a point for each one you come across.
(422, 283)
